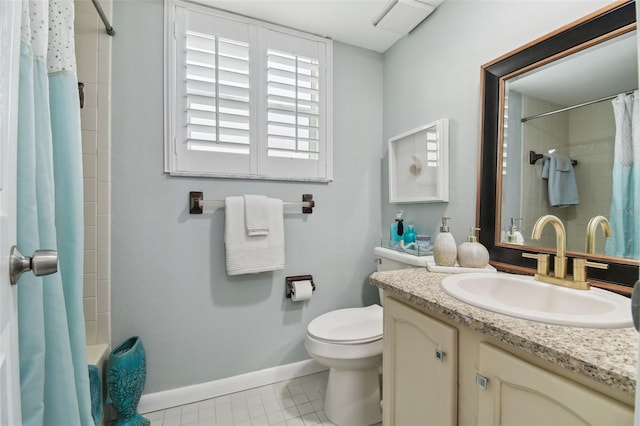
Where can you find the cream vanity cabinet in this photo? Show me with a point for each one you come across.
(420, 368)
(420, 389)
(519, 393)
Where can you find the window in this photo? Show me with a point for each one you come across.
(245, 99)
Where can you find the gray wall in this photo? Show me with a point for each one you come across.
(434, 73)
(168, 268)
(168, 280)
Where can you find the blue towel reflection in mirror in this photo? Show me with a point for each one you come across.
(561, 180)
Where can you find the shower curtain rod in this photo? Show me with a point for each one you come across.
(533, 117)
(105, 21)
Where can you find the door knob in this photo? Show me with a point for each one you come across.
(43, 262)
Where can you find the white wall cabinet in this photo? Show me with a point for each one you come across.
(419, 164)
(420, 389)
(420, 364)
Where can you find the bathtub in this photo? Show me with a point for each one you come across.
(97, 355)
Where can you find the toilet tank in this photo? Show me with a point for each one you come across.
(391, 260)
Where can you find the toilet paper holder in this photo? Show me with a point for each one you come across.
(290, 280)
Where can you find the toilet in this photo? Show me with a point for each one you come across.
(349, 342)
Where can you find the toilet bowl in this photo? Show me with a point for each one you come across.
(349, 342)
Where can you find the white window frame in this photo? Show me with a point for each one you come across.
(262, 166)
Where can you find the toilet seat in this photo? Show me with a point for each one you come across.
(350, 326)
(349, 342)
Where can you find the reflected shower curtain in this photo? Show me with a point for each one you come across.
(53, 366)
(624, 216)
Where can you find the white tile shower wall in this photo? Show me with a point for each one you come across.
(585, 134)
(591, 139)
(540, 135)
(93, 56)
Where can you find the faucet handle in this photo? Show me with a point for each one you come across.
(580, 268)
(543, 262)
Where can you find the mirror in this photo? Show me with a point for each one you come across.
(565, 107)
(551, 102)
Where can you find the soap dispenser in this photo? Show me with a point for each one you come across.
(444, 247)
(472, 254)
(397, 229)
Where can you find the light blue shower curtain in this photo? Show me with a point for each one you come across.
(53, 362)
(624, 216)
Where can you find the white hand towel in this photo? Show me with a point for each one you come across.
(248, 255)
(256, 211)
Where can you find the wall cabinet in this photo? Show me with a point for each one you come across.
(420, 365)
(420, 389)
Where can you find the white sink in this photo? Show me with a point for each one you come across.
(523, 297)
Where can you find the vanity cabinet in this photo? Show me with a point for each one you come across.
(519, 393)
(521, 389)
(420, 364)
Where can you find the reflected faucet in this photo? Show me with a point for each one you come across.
(592, 227)
(560, 261)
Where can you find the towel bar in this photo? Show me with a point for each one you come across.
(533, 157)
(197, 204)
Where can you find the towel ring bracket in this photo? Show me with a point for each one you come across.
(308, 198)
(195, 202)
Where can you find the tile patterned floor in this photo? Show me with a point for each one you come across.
(294, 402)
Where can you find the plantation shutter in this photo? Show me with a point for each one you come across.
(214, 94)
(297, 119)
(245, 99)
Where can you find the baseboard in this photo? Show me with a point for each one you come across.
(194, 393)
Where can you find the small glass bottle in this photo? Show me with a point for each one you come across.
(397, 230)
(409, 235)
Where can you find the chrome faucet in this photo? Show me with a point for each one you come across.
(592, 227)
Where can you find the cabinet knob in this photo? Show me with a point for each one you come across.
(481, 381)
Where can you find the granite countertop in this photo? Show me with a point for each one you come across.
(608, 356)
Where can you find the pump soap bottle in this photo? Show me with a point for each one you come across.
(472, 254)
(444, 248)
(397, 229)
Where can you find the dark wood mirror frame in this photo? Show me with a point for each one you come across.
(603, 24)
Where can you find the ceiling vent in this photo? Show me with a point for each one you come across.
(402, 16)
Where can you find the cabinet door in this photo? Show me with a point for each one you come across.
(519, 393)
(420, 362)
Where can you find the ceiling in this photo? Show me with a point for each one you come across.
(347, 21)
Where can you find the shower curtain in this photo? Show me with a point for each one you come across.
(54, 381)
(624, 215)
